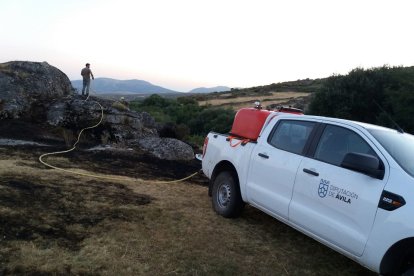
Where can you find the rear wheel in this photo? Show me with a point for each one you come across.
(226, 196)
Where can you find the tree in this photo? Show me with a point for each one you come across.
(183, 118)
(365, 95)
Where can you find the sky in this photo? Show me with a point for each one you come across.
(185, 44)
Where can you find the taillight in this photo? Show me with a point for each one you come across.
(205, 146)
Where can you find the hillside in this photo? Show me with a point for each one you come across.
(295, 93)
(113, 86)
(210, 89)
(273, 99)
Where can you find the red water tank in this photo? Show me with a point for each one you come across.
(248, 122)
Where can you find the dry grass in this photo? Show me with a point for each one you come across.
(239, 102)
(175, 233)
(120, 106)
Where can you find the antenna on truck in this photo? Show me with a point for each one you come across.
(399, 129)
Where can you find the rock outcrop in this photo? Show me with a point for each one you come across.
(29, 87)
(166, 148)
(78, 113)
(40, 93)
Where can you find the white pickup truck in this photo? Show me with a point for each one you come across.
(349, 185)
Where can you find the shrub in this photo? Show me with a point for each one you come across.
(183, 117)
(363, 95)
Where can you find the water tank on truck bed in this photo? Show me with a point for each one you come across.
(248, 122)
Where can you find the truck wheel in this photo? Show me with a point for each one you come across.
(226, 197)
(408, 272)
(408, 264)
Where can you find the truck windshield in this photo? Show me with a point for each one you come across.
(399, 145)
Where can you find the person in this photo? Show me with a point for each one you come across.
(86, 74)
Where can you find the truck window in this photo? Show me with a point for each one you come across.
(291, 135)
(336, 142)
(399, 145)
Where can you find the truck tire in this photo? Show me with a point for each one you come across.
(408, 272)
(226, 197)
(407, 267)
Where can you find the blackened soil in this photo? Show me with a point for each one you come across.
(46, 212)
(138, 165)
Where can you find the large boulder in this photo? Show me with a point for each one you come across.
(27, 88)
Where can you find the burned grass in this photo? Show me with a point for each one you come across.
(60, 212)
(135, 164)
(54, 223)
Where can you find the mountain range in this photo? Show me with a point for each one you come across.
(210, 89)
(114, 86)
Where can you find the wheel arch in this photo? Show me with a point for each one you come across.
(222, 166)
(396, 255)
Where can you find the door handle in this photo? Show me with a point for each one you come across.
(264, 155)
(311, 172)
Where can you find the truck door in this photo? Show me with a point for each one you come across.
(336, 204)
(274, 164)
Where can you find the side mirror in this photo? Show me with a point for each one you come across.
(363, 163)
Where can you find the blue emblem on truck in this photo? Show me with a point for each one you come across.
(323, 188)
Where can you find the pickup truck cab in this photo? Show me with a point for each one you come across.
(347, 184)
